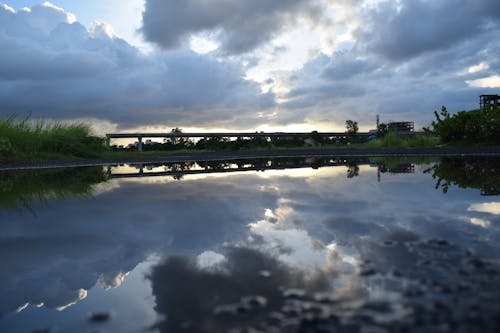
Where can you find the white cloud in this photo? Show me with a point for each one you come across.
(492, 81)
(480, 222)
(487, 207)
(210, 260)
(478, 68)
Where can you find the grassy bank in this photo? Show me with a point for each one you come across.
(391, 139)
(33, 140)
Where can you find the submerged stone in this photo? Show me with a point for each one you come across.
(99, 317)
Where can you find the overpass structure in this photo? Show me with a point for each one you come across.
(265, 135)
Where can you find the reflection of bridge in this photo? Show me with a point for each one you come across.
(178, 170)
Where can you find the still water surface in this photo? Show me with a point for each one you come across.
(346, 245)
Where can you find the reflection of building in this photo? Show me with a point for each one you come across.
(401, 167)
(490, 191)
(489, 101)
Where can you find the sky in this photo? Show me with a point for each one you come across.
(246, 65)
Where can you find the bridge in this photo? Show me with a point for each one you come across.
(267, 135)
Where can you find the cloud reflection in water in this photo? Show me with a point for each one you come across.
(316, 221)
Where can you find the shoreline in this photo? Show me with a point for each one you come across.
(257, 154)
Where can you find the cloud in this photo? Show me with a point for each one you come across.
(241, 26)
(52, 66)
(360, 84)
(402, 30)
(486, 207)
(337, 59)
(178, 286)
(486, 82)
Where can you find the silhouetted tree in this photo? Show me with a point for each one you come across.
(352, 127)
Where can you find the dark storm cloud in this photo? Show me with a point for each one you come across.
(52, 67)
(402, 30)
(241, 25)
(187, 295)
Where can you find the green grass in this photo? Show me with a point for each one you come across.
(394, 140)
(24, 188)
(30, 140)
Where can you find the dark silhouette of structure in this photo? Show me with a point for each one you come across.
(401, 127)
(205, 136)
(489, 101)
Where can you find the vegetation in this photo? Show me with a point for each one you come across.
(477, 172)
(352, 127)
(475, 126)
(24, 139)
(23, 188)
(391, 139)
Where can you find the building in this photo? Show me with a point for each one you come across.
(401, 127)
(489, 101)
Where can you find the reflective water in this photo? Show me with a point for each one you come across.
(305, 245)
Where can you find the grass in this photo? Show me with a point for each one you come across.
(31, 140)
(394, 140)
(25, 188)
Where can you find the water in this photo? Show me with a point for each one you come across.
(360, 245)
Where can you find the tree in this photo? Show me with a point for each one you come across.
(174, 139)
(352, 127)
(477, 126)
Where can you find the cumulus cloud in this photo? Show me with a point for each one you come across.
(401, 30)
(360, 84)
(241, 26)
(52, 66)
(401, 60)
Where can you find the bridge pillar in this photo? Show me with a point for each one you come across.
(139, 146)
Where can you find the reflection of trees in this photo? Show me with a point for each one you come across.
(179, 169)
(352, 170)
(469, 172)
(25, 187)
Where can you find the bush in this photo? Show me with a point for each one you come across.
(392, 139)
(475, 126)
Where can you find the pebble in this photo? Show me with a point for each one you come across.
(99, 317)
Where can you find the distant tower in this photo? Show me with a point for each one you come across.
(378, 121)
